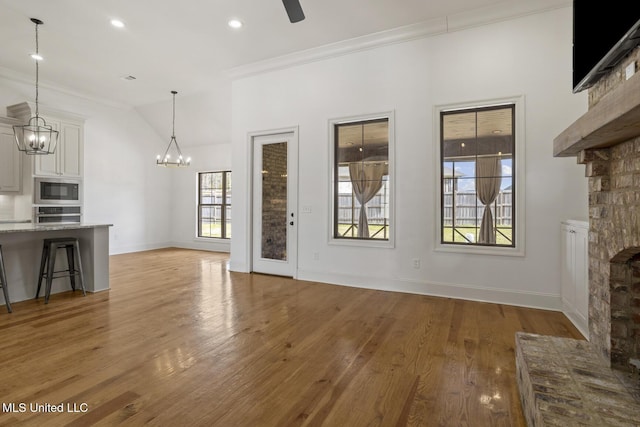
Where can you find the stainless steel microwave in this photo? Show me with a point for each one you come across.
(57, 191)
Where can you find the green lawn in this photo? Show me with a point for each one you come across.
(213, 230)
(352, 231)
(501, 239)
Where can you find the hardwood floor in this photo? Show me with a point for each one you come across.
(180, 341)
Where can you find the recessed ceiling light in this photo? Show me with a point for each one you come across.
(128, 77)
(117, 23)
(235, 23)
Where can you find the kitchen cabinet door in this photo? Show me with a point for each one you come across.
(47, 164)
(71, 150)
(66, 162)
(10, 163)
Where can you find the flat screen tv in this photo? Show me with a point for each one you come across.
(603, 34)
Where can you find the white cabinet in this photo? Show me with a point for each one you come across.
(10, 161)
(67, 159)
(575, 273)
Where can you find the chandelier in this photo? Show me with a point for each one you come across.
(166, 159)
(36, 137)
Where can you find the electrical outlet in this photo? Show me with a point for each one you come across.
(416, 263)
(316, 256)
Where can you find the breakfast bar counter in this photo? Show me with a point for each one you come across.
(22, 249)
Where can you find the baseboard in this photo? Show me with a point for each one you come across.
(137, 248)
(204, 246)
(446, 290)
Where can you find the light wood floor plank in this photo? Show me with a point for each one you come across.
(179, 340)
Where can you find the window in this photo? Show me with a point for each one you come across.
(361, 181)
(214, 204)
(477, 174)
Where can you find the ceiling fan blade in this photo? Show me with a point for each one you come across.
(294, 10)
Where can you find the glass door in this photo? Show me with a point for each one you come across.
(274, 197)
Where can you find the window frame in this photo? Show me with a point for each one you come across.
(223, 206)
(518, 186)
(333, 181)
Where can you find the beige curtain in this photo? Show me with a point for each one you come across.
(366, 179)
(488, 181)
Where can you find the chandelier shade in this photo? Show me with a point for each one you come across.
(173, 155)
(36, 137)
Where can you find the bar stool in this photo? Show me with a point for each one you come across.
(3, 282)
(48, 262)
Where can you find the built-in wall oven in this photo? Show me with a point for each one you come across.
(57, 214)
(57, 191)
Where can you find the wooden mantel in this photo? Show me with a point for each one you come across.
(614, 119)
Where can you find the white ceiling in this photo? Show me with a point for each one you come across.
(186, 45)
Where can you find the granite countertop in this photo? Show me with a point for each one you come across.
(30, 227)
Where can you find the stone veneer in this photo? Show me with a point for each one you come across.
(625, 310)
(571, 382)
(564, 382)
(614, 234)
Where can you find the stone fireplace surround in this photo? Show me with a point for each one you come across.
(596, 382)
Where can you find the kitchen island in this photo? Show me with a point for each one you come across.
(22, 250)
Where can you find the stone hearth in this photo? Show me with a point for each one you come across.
(596, 383)
(571, 385)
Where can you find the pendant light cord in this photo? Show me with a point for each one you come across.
(173, 125)
(37, 69)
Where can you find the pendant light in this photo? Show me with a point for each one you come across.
(36, 137)
(166, 160)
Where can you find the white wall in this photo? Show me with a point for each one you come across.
(207, 144)
(122, 184)
(205, 158)
(529, 56)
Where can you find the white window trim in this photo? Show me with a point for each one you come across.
(390, 243)
(196, 237)
(519, 249)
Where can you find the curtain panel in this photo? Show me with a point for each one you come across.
(488, 181)
(366, 179)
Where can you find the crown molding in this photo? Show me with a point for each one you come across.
(345, 47)
(483, 16)
(25, 110)
(10, 121)
(17, 77)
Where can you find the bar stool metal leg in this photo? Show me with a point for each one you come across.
(43, 263)
(51, 263)
(72, 268)
(3, 282)
(76, 247)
